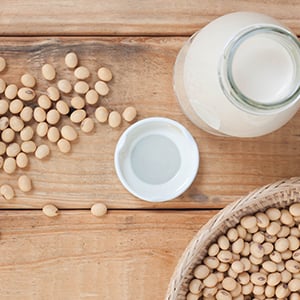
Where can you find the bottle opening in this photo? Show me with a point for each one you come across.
(260, 69)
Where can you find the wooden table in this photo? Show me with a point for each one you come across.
(132, 251)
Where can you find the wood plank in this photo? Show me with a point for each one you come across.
(142, 68)
(94, 17)
(125, 255)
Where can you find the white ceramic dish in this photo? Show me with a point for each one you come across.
(156, 159)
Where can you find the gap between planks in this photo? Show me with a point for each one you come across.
(122, 209)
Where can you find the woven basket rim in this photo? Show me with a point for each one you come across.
(280, 193)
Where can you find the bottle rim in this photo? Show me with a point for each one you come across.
(230, 88)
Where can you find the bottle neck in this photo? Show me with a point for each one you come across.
(259, 71)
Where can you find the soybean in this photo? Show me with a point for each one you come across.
(211, 262)
(2, 148)
(273, 228)
(286, 276)
(3, 106)
(229, 284)
(201, 271)
(81, 73)
(9, 165)
(24, 183)
(282, 244)
(71, 60)
(16, 123)
(104, 74)
(69, 133)
(262, 220)
(64, 86)
(282, 291)
(102, 88)
(62, 107)
(22, 160)
(237, 266)
(2, 63)
(81, 87)
(292, 266)
(114, 119)
(274, 279)
(213, 250)
(295, 209)
(211, 280)
(129, 115)
(296, 255)
(91, 97)
(273, 213)
(195, 286)
(53, 134)
(42, 151)
(258, 237)
(77, 102)
(7, 191)
(101, 114)
(223, 267)
(26, 94)
(257, 250)
(191, 296)
(4, 122)
(258, 278)
(13, 150)
(8, 135)
(224, 256)
(50, 210)
(16, 106)
(26, 114)
(64, 146)
(28, 147)
(294, 243)
(11, 91)
(223, 242)
(269, 266)
(53, 93)
(248, 222)
(39, 114)
(42, 129)
(294, 285)
(98, 209)
(44, 102)
(223, 295)
(275, 257)
(87, 125)
(28, 80)
(53, 117)
(48, 72)
(78, 115)
(2, 86)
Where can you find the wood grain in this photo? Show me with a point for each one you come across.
(142, 68)
(129, 17)
(128, 254)
(125, 255)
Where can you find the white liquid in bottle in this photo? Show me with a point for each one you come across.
(263, 69)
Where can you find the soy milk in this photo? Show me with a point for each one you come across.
(239, 75)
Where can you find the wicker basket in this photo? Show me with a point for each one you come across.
(278, 194)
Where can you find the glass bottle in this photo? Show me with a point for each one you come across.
(239, 76)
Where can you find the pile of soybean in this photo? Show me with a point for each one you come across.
(26, 114)
(257, 259)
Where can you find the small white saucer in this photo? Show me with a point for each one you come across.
(156, 159)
